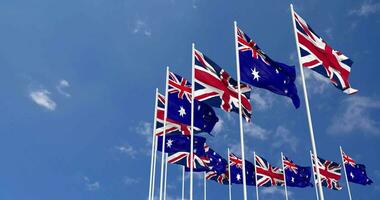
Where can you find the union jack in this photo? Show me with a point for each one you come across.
(317, 55)
(348, 160)
(266, 174)
(234, 160)
(179, 85)
(288, 164)
(184, 158)
(215, 87)
(220, 178)
(330, 173)
(247, 44)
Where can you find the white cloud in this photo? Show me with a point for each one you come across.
(283, 137)
(146, 130)
(367, 8)
(130, 181)
(127, 149)
(355, 114)
(255, 131)
(91, 186)
(218, 127)
(316, 83)
(41, 98)
(270, 191)
(262, 100)
(61, 86)
(141, 27)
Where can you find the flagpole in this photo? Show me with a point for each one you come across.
(153, 151)
(257, 188)
(183, 182)
(164, 134)
(154, 167)
(283, 169)
(345, 173)
(229, 176)
(240, 114)
(166, 174)
(192, 122)
(315, 183)
(204, 186)
(314, 148)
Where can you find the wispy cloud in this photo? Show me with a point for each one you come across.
(218, 127)
(141, 27)
(41, 97)
(130, 180)
(61, 86)
(91, 186)
(316, 82)
(283, 137)
(256, 131)
(262, 100)
(270, 191)
(355, 114)
(145, 129)
(366, 8)
(127, 149)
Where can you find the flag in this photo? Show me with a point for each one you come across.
(200, 160)
(296, 176)
(217, 167)
(172, 126)
(317, 55)
(179, 106)
(330, 173)
(214, 86)
(356, 173)
(236, 167)
(268, 175)
(257, 69)
(177, 143)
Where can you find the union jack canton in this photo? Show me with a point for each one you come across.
(317, 55)
(266, 174)
(330, 173)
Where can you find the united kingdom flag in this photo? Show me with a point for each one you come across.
(268, 175)
(317, 55)
(214, 86)
(330, 173)
(172, 126)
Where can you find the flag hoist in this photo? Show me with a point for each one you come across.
(310, 123)
(154, 152)
(192, 122)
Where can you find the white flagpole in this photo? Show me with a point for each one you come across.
(164, 134)
(204, 186)
(229, 176)
(283, 169)
(166, 174)
(314, 147)
(183, 182)
(154, 167)
(315, 182)
(240, 114)
(257, 188)
(345, 173)
(192, 123)
(151, 188)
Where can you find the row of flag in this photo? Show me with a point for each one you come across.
(260, 172)
(188, 107)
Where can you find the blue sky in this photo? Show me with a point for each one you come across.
(78, 80)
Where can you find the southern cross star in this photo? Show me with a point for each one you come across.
(169, 143)
(255, 74)
(181, 111)
(238, 177)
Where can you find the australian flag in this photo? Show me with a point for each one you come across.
(177, 143)
(179, 106)
(217, 167)
(257, 69)
(356, 173)
(296, 176)
(214, 86)
(236, 166)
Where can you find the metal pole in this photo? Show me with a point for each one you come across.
(310, 123)
(283, 169)
(164, 134)
(229, 176)
(240, 114)
(154, 167)
(315, 182)
(151, 188)
(204, 186)
(345, 173)
(192, 122)
(257, 187)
